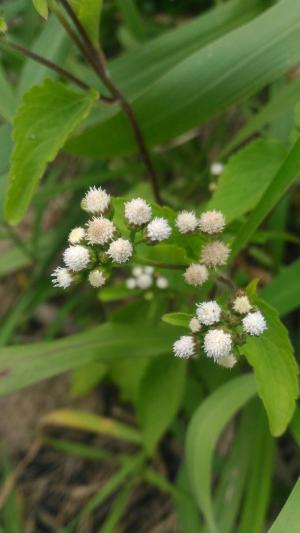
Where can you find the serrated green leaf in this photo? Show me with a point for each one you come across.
(42, 7)
(246, 177)
(89, 12)
(177, 319)
(45, 119)
(160, 395)
(275, 370)
(203, 432)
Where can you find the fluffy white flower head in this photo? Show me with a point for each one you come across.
(96, 200)
(131, 283)
(100, 230)
(76, 235)
(97, 278)
(228, 361)
(138, 212)
(196, 275)
(195, 325)
(241, 305)
(158, 229)
(184, 347)
(76, 257)
(186, 222)
(137, 271)
(216, 168)
(62, 278)
(208, 313)
(212, 222)
(215, 254)
(217, 343)
(120, 250)
(144, 281)
(254, 323)
(162, 283)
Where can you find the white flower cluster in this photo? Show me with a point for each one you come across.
(145, 277)
(229, 329)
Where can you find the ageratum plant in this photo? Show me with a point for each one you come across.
(133, 159)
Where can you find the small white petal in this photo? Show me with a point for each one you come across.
(229, 361)
(162, 283)
(100, 230)
(120, 251)
(217, 343)
(186, 222)
(137, 271)
(144, 281)
(184, 347)
(241, 305)
(216, 168)
(212, 222)
(158, 229)
(97, 278)
(208, 313)
(96, 201)
(62, 278)
(196, 275)
(76, 235)
(254, 323)
(195, 325)
(137, 212)
(215, 254)
(76, 257)
(149, 269)
(131, 283)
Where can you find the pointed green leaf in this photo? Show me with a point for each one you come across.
(275, 370)
(177, 319)
(288, 519)
(42, 7)
(89, 12)
(44, 120)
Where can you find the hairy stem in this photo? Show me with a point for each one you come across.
(97, 59)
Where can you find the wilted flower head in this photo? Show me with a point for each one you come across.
(137, 212)
(215, 254)
(62, 278)
(120, 250)
(162, 283)
(196, 275)
(212, 222)
(97, 278)
(217, 343)
(208, 313)
(184, 347)
(100, 230)
(76, 235)
(158, 229)
(254, 323)
(241, 305)
(195, 325)
(186, 222)
(96, 200)
(76, 257)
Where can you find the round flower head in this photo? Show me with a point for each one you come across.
(212, 222)
(131, 283)
(186, 221)
(62, 278)
(195, 325)
(76, 257)
(137, 271)
(144, 281)
(162, 283)
(158, 229)
(137, 212)
(96, 200)
(254, 323)
(216, 168)
(215, 254)
(217, 343)
(241, 305)
(149, 269)
(76, 235)
(97, 278)
(184, 347)
(120, 250)
(208, 313)
(196, 275)
(100, 230)
(228, 361)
